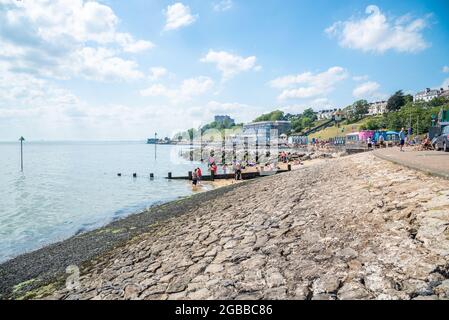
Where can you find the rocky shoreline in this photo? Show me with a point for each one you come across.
(23, 276)
(356, 227)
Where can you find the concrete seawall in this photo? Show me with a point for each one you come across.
(356, 227)
(32, 270)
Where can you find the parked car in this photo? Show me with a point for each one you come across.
(441, 141)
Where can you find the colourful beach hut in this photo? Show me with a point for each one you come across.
(365, 134)
(352, 138)
(392, 136)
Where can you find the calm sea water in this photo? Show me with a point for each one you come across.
(67, 188)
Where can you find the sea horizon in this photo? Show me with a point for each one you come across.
(73, 140)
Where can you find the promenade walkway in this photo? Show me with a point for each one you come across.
(432, 162)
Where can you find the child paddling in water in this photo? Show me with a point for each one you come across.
(199, 175)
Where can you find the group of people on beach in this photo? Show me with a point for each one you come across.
(284, 156)
(419, 143)
(213, 168)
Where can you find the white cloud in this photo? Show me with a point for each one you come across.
(313, 85)
(102, 64)
(188, 89)
(157, 72)
(29, 106)
(196, 86)
(59, 21)
(320, 102)
(223, 5)
(230, 65)
(366, 89)
(360, 78)
(239, 111)
(378, 33)
(445, 84)
(65, 38)
(40, 109)
(158, 90)
(22, 91)
(226, 107)
(178, 15)
(445, 69)
(301, 93)
(315, 104)
(132, 46)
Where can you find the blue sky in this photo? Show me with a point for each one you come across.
(113, 70)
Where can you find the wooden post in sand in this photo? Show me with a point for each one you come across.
(190, 175)
(169, 175)
(289, 167)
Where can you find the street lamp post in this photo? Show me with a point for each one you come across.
(22, 139)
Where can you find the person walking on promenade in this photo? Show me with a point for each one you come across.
(368, 142)
(199, 174)
(381, 141)
(402, 138)
(225, 168)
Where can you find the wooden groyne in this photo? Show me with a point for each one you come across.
(244, 175)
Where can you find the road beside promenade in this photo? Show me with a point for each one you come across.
(431, 162)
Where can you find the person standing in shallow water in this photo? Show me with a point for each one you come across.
(194, 178)
(213, 169)
(199, 174)
(238, 171)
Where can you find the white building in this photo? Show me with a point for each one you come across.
(326, 114)
(429, 94)
(378, 107)
(445, 93)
